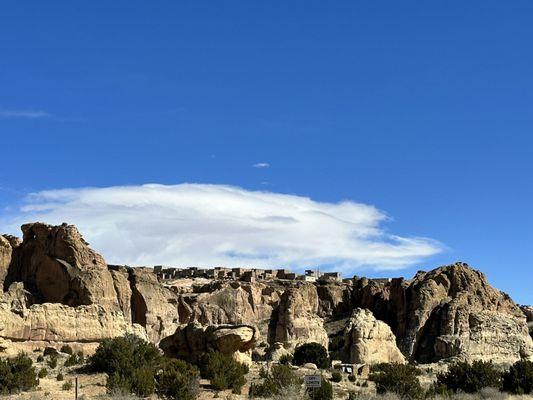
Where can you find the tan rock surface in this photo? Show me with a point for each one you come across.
(56, 265)
(121, 283)
(8, 244)
(231, 303)
(193, 340)
(455, 312)
(297, 320)
(370, 341)
(61, 323)
(153, 305)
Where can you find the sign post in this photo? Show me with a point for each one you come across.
(312, 382)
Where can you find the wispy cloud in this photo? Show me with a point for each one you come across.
(31, 114)
(261, 165)
(207, 225)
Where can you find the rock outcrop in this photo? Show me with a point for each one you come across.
(370, 341)
(448, 312)
(297, 319)
(193, 340)
(6, 252)
(58, 322)
(153, 306)
(57, 266)
(232, 302)
(528, 312)
(58, 289)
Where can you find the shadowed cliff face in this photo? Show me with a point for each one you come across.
(449, 312)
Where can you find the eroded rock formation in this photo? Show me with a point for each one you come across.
(56, 265)
(528, 312)
(370, 341)
(449, 312)
(58, 322)
(57, 289)
(297, 318)
(5, 258)
(193, 340)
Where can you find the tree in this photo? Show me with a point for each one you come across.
(324, 392)
(336, 376)
(224, 372)
(130, 363)
(280, 377)
(401, 379)
(17, 374)
(311, 353)
(470, 378)
(177, 380)
(519, 378)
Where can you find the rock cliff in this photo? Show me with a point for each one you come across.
(57, 289)
(56, 265)
(528, 312)
(448, 312)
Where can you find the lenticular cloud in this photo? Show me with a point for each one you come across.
(216, 225)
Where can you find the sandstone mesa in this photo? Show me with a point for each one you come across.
(58, 290)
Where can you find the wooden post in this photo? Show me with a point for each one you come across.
(76, 389)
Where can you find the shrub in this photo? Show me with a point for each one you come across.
(40, 358)
(59, 377)
(285, 359)
(352, 378)
(52, 362)
(130, 363)
(324, 392)
(50, 351)
(73, 359)
(352, 396)
(67, 385)
(311, 353)
(224, 372)
(397, 378)
(177, 380)
(139, 381)
(17, 374)
(66, 349)
(43, 373)
(470, 378)
(519, 378)
(280, 377)
(336, 376)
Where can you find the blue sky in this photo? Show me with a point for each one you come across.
(422, 110)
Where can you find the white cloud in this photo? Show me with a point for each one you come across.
(261, 165)
(31, 114)
(209, 225)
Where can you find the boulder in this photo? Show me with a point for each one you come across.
(370, 341)
(56, 265)
(193, 340)
(276, 351)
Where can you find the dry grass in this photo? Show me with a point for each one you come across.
(484, 394)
